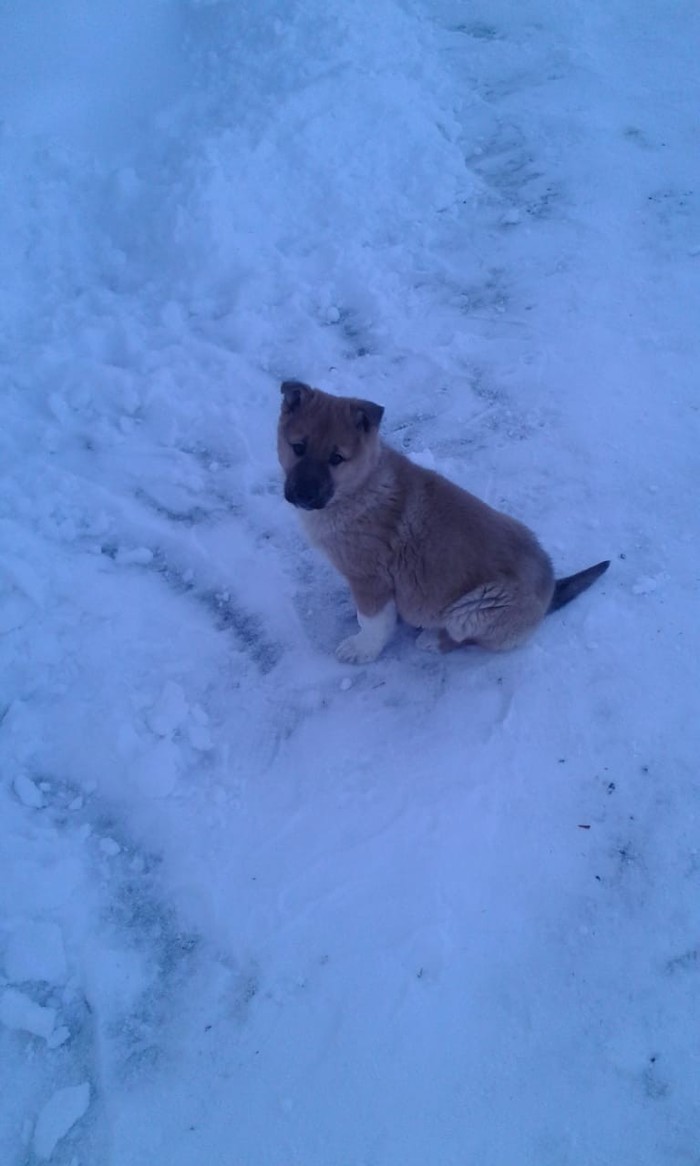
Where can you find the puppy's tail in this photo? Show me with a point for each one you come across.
(567, 589)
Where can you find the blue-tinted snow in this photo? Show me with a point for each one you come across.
(262, 909)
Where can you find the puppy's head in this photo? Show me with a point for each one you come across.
(327, 445)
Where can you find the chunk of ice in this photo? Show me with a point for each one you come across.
(63, 1109)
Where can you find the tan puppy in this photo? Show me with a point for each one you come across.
(408, 541)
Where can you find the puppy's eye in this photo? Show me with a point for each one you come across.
(299, 448)
(336, 458)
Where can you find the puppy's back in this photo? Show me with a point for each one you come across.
(468, 541)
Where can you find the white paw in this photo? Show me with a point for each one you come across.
(429, 640)
(357, 650)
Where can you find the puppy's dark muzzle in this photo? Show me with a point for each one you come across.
(309, 486)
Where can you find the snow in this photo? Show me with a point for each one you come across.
(35, 951)
(60, 1113)
(279, 911)
(28, 792)
(20, 1012)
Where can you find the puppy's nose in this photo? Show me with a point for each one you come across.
(306, 498)
(309, 487)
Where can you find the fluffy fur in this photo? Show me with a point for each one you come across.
(409, 542)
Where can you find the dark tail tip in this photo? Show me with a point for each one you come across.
(567, 589)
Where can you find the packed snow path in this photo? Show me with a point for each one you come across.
(257, 908)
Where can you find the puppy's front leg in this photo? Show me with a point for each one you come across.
(376, 615)
(373, 636)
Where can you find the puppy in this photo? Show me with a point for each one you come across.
(409, 542)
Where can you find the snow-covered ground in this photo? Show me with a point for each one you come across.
(257, 908)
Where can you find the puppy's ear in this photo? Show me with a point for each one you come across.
(367, 415)
(293, 393)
